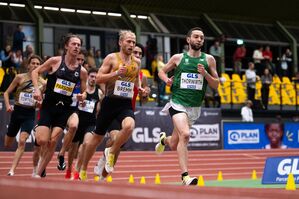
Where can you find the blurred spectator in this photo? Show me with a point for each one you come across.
(60, 51)
(258, 58)
(150, 53)
(246, 112)
(251, 79)
(18, 38)
(274, 132)
(90, 59)
(186, 48)
(286, 62)
(215, 50)
(10, 74)
(266, 82)
(6, 57)
(161, 84)
(98, 58)
(238, 57)
(28, 51)
(268, 57)
(17, 59)
(212, 98)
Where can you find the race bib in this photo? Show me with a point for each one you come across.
(192, 81)
(64, 87)
(26, 99)
(74, 100)
(89, 106)
(124, 89)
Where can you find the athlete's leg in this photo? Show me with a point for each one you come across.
(89, 147)
(124, 134)
(47, 155)
(72, 124)
(180, 122)
(173, 140)
(20, 150)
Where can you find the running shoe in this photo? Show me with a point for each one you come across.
(187, 180)
(98, 169)
(44, 174)
(68, 174)
(109, 165)
(76, 175)
(160, 147)
(10, 173)
(61, 163)
(83, 175)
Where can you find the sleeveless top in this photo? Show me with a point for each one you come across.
(61, 84)
(189, 87)
(24, 93)
(123, 87)
(87, 113)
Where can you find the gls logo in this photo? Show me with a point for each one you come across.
(66, 83)
(126, 84)
(288, 166)
(192, 75)
(143, 135)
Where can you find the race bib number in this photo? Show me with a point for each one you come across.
(26, 99)
(124, 89)
(89, 106)
(64, 87)
(192, 81)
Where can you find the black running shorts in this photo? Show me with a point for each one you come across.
(113, 109)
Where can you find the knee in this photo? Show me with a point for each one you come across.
(42, 141)
(128, 128)
(185, 137)
(173, 146)
(21, 144)
(72, 128)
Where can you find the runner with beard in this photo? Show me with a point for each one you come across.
(193, 71)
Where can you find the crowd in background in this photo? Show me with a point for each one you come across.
(261, 63)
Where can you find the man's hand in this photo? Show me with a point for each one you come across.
(37, 95)
(201, 69)
(81, 97)
(169, 81)
(9, 108)
(122, 70)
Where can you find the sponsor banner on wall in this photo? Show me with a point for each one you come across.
(150, 122)
(244, 135)
(277, 170)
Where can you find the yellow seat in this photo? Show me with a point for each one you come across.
(2, 73)
(146, 73)
(167, 89)
(274, 98)
(224, 93)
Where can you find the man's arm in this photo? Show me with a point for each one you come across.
(171, 64)
(105, 73)
(47, 66)
(10, 89)
(211, 76)
(83, 78)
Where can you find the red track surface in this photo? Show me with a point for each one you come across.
(234, 164)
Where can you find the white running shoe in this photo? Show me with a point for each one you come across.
(98, 169)
(109, 165)
(10, 173)
(187, 180)
(160, 147)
